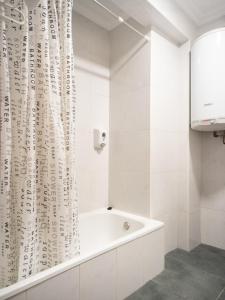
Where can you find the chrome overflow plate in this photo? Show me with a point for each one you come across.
(126, 225)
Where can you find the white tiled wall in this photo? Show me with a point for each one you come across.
(154, 167)
(213, 191)
(189, 231)
(154, 161)
(129, 125)
(92, 52)
(129, 259)
(64, 286)
(175, 150)
(98, 278)
(195, 180)
(169, 108)
(21, 296)
(118, 273)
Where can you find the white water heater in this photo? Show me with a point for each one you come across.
(208, 82)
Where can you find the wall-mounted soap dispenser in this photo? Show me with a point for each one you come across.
(99, 139)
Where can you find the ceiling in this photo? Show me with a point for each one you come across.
(202, 12)
(173, 18)
(95, 13)
(138, 10)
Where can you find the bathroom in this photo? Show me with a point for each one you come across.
(112, 176)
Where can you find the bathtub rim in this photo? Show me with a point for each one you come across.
(149, 225)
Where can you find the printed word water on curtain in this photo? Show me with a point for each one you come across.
(38, 197)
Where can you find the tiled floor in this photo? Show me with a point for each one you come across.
(195, 275)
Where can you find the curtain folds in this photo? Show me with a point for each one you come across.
(38, 196)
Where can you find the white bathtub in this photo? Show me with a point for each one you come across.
(119, 253)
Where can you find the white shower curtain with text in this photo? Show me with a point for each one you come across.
(38, 197)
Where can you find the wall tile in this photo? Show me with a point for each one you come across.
(129, 191)
(194, 191)
(195, 229)
(130, 60)
(138, 262)
(84, 148)
(169, 139)
(195, 170)
(127, 107)
(213, 191)
(164, 193)
(169, 104)
(166, 150)
(183, 194)
(129, 269)
(83, 99)
(91, 46)
(153, 254)
(100, 86)
(117, 192)
(97, 278)
(213, 173)
(64, 286)
(212, 227)
(183, 230)
(129, 124)
(170, 219)
(100, 111)
(21, 296)
(99, 189)
(129, 150)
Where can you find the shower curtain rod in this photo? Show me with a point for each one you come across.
(121, 20)
(2, 12)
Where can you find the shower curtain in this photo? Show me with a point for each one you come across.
(38, 197)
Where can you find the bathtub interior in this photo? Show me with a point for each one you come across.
(104, 228)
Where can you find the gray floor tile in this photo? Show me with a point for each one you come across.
(195, 275)
(190, 282)
(154, 291)
(207, 259)
(212, 249)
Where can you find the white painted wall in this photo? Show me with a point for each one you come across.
(213, 191)
(129, 122)
(92, 53)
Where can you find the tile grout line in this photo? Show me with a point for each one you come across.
(220, 294)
